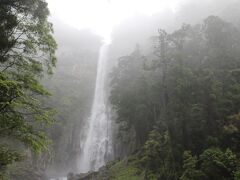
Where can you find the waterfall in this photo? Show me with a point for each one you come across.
(97, 147)
(60, 178)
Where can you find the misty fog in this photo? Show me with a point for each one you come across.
(138, 90)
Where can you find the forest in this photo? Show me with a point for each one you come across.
(157, 98)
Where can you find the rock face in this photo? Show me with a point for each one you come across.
(73, 88)
(88, 176)
(102, 174)
(84, 176)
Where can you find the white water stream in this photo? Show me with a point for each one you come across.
(97, 147)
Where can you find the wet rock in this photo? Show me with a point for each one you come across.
(87, 176)
(70, 176)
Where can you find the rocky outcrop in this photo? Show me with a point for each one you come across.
(102, 174)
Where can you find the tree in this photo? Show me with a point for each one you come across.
(190, 167)
(130, 95)
(27, 52)
(212, 164)
(157, 156)
(218, 164)
(190, 90)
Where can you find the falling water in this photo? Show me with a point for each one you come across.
(97, 147)
(60, 178)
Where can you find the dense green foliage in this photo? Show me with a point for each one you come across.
(27, 51)
(212, 164)
(186, 96)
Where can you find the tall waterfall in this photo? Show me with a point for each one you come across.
(97, 147)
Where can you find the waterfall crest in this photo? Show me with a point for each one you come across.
(97, 147)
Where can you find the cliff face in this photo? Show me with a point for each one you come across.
(72, 86)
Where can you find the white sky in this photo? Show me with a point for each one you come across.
(102, 15)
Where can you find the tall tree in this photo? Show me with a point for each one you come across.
(190, 90)
(27, 52)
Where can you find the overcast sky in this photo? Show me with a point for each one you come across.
(102, 15)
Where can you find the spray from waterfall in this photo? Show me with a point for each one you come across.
(97, 147)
